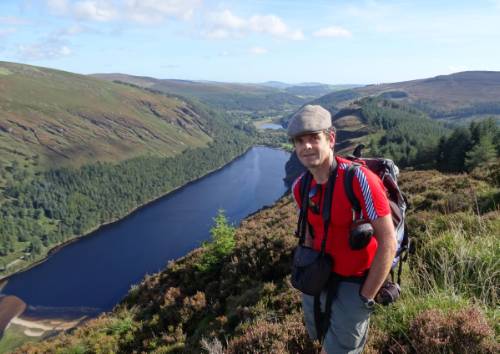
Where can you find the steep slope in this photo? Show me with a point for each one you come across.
(459, 96)
(78, 152)
(244, 302)
(54, 118)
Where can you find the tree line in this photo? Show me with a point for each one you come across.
(411, 138)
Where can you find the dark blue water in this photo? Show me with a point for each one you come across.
(94, 273)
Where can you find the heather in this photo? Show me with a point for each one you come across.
(234, 295)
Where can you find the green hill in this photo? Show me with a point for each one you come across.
(242, 301)
(55, 118)
(456, 97)
(77, 152)
(252, 99)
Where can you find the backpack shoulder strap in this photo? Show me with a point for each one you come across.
(348, 179)
(305, 184)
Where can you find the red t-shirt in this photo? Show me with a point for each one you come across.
(372, 195)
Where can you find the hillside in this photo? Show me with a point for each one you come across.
(308, 90)
(77, 152)
(456, 97)
(387, 128)
(54, 118)
(242, 300)
(272, 98)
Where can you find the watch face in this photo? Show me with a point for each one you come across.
(369, 304)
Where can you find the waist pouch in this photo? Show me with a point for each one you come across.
(310, 270)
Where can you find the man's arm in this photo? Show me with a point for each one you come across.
(381, 265)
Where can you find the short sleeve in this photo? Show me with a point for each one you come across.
(296, 190)
(370, 191)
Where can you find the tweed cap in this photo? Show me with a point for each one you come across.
(309, 119)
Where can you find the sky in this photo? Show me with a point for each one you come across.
(335, 42)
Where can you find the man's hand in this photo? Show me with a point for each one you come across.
(381, 265)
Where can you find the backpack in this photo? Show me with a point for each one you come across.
(388, 172)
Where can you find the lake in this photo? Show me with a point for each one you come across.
(92, 275)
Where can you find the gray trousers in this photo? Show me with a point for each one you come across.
(349, 320)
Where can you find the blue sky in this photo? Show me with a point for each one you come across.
(334, 42)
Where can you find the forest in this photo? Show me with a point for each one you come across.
(411, 138)
(45, 209)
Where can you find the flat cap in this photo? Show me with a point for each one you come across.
(309, 119)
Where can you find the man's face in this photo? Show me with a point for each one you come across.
(314, 149)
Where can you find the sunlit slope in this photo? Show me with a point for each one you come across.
(245, 303)
(60, 118)
(228, 96)
(461, 96)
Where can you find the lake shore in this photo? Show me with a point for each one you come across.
(60, 246)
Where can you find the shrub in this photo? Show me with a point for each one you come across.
(222, 243)
(288, 336)
(464, 331)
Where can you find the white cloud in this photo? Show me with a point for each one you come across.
(142, 11)
(155, 11)
(226, 19)
(64, 51)
(101, 11)
(258, 50)
(43, 50)
(332, 32)
(225, 24)
(273, 25)
(58, 6)
(269, 24)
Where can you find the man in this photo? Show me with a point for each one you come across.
(314, 138)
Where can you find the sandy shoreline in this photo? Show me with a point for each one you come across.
(37, 328)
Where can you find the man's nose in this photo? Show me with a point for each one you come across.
(308, 145)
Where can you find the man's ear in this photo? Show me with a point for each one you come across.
(332, 139)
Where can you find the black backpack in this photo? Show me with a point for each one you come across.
(388, 172)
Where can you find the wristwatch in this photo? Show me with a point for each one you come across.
(369, 303)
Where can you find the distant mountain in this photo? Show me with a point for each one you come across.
(276, 84)
(313, 90)
(461, 96)
(310, 90)
(249, 98)
(261, 99)
(52, 117)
